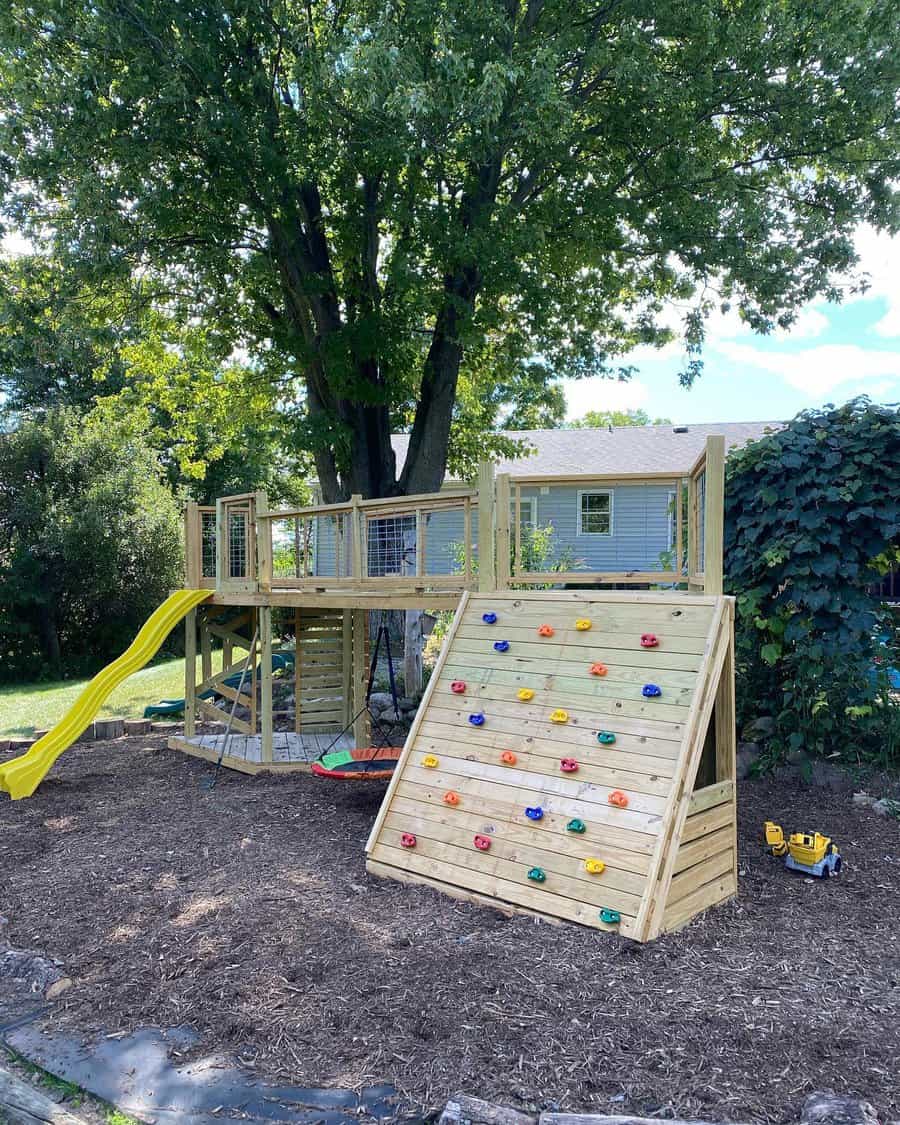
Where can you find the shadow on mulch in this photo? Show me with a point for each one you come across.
(246, 914)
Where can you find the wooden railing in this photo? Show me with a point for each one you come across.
(240, 545)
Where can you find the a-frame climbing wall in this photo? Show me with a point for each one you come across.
(552, 765)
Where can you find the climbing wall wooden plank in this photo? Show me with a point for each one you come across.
(503, 789)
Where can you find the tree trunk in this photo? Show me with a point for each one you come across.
(48, 631)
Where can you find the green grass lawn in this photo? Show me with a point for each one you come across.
(28, 707)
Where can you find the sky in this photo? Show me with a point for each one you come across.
(833, 353)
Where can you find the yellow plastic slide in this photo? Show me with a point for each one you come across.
(20, 777)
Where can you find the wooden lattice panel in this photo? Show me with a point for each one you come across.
(652, 761)
(321, 673)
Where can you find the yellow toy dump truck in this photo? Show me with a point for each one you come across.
(808, 852)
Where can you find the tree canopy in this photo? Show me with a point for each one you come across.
(383, 205)
(601, 419)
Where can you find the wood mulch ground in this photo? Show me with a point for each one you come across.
(247, 913)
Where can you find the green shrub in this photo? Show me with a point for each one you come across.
(90, 543)
(812, 517)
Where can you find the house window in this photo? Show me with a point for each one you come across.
(527, 513)
(595, 513)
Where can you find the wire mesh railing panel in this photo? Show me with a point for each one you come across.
(208, 543)
(391, 545)
(238, 544)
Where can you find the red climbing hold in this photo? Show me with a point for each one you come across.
(568, 765)
(482, 843)
(649, 640)
(407, 840)
(458, 687)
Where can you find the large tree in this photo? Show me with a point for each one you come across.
(373, 195)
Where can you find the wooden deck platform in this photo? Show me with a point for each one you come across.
(290, 752)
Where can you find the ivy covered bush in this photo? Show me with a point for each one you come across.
(812, 520)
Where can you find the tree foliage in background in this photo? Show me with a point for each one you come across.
(602, 419)
(90, 543)
(812, 519)
(387, 198)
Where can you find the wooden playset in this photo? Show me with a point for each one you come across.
(574, 754)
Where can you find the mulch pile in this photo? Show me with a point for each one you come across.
(247, 913)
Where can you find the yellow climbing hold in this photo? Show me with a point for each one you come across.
(583, 624)
(559, 716)
(525, 693)
(594, 866)
(430, 760)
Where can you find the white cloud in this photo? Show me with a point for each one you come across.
(810, 322)
(583, 395)
(819, 370)
(879, 258)
(14, 245)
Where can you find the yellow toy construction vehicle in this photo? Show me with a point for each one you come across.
(808, 852)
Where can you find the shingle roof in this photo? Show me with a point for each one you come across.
(622, 449)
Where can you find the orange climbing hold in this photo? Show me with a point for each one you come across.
(545, 630)
(618, 798)
(508, 758)
(598, 669)
(451, 798)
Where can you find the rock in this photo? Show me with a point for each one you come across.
(58, 988)
(30, 968)
(824, 1108)
(407, 703)
(827, 775)
(380, 700)
(4, 745)
(747, 755)
(759, 729)
(462, 1109)
(886, 807)
(4, 933)
(863, 800)
(165, 728)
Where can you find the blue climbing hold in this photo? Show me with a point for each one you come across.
(651, 691)
(606, 737)
(501, 646)
(610, 917)
(489, 618)
(477, 720)
(535, 814)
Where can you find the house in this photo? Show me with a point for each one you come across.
(608, 494)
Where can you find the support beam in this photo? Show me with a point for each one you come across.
(502, 531)
(190, 674)
(361, 723)
(265, 634)
(714, 516)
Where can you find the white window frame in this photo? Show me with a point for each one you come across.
(608, 492)
(529, 502)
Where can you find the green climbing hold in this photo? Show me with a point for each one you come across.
(575, 825)
(536, 875)
(610, 917)
(606, 738)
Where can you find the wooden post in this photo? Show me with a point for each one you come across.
(221, 544)
(298, 670)
(361, 723)
(467, 540)
(190, 674)
(726, 734)
(346, 667)
(266, 721)
(517, 523)
(193, 549)
(714, 516)
(253, 649)
(205, 647)
(502, 531)
(356, 537)
(263, 541)
(487, 580)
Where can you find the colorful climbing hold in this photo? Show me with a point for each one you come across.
(489, 618)
(458, 687)
(451, 798)
(649, 640)
(583, 624)
(559, 716)
(610, 917)
(535, 813)
(407, 840)
(594, 866)
(568, 765)
(545, 630)
(536, 875)
(501, 646)
(524, 694)
(508, 758)
(477, 720)
(482, 843)
(618, 798)
(606, 737)
(651, 691)
(598, 669)
(576, 825)
(430, 761)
